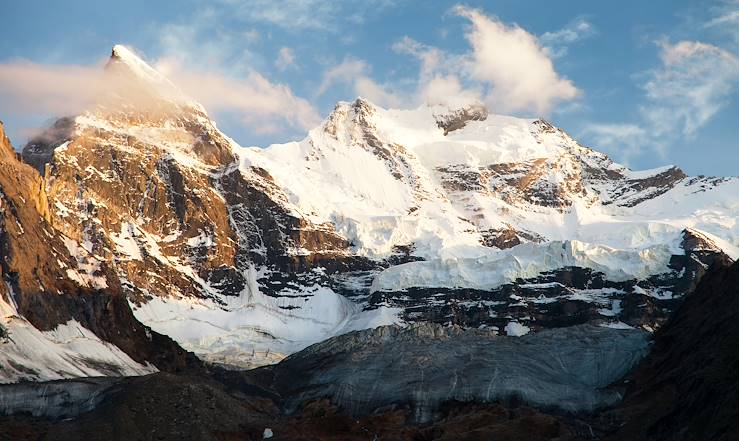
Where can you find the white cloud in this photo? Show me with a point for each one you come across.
(354, 73)
(512, 63)
(557, 42)
(305, 15)
(506, 68)
(448, 90)
(285, 58)
(694, 81)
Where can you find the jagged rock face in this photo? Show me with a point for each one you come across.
(27, 264)
(459, 118)
(47, 286)
(119, 200)
(157, 193)
(564, 297)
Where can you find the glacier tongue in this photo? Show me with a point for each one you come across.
(493, 268)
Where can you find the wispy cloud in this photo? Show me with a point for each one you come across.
(558, 42)
(33, 89)
(355, 73)
(59, 90)
(305, 15)
(222, 71)
(725, 18)
(262, 105)
(692, 83)
(285, 59)
(628, 139)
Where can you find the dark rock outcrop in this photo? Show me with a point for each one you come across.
(457, 119)
(688, 386)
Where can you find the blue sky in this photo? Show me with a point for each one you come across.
(649, 83)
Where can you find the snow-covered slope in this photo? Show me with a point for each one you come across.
(391, 177)
(69, 350)
(388, 178)
(479, 201)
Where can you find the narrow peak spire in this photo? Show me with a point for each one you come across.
(122, 56)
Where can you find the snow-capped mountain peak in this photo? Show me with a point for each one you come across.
(138, 108)
(122, 58)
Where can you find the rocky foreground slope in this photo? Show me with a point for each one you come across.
(442, 214)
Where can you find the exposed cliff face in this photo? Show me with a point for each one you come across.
(155, 192)
(51, 293)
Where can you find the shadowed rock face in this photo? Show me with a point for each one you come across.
(426, 365)
(55, 399)
(167, 407)
(688, 388)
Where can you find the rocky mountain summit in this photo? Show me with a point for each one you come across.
(450, 215)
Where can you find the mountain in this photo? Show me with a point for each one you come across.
(444, 214)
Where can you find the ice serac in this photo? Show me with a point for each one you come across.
(445, 213)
